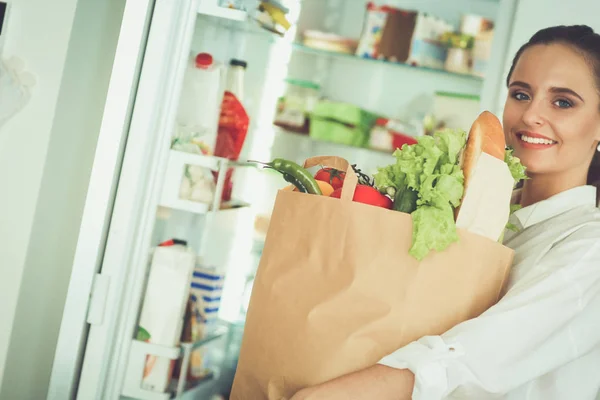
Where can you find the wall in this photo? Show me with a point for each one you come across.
(24, 139)
(46, 155)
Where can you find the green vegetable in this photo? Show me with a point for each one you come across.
(406, 200)
(510, 226)
(289, 178)
(431, 169)
(296, 175)
(433, 229)
(517, 170)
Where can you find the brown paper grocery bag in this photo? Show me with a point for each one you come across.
(336, 290)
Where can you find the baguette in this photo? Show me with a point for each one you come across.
(486, 136)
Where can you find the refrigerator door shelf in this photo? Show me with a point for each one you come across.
(132, 387)
(212, 8)
(178, 160)
(135, 369)
(174, 176)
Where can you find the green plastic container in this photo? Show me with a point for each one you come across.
(341, 123)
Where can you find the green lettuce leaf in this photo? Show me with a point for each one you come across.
(433, 229)
(431, 168)
(389, 177)
(517, 170)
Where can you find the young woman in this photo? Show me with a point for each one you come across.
(542, 339)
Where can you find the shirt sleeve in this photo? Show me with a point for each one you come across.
(548, 318)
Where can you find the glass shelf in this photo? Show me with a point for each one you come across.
(345, 56)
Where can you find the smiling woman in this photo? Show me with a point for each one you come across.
(552, 113)
(542, 339)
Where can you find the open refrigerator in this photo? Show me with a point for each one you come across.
(133, 201)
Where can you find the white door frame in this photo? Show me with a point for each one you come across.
(99, 202)
(116, 238)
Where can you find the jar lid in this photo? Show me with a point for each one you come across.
(238, 63)
(204, 60)
(304, 84)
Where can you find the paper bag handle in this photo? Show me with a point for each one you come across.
(351, 179)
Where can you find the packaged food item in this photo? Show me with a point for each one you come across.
(414, 38)
(205, 301)
(234, 4)
(295, 106)
(329, 42)
(455, 110)
(341, 123)
(161, 319)
(198, 113)
(473, 25)
(197, 184)
(389, 135)
(372, 32)
(482, 52)
(482, 30)
(272, 16)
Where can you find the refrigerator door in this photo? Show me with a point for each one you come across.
(110, 262)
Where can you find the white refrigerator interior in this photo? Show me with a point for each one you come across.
(135, 197)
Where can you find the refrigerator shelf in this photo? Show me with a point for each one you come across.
(211, 8)
(351, 57)
(139, 350)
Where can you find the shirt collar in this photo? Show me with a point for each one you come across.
(555, 205)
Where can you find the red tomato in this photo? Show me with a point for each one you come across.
(367, 195)
(334, 177)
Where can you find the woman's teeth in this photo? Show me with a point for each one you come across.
(536, 140)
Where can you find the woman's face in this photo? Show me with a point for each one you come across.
(552, 112)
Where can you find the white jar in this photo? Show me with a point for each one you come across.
(458, 60)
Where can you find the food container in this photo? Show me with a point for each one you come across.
(404, 36)
(482, 30)
(458, 61)
(341, 123)
(200, 100)
(296, 104)
(475, 24)
(374, 23)
(456, 110)
(163, 310)
(329, 42)
(389, 135)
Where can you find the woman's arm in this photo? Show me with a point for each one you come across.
(378, 382)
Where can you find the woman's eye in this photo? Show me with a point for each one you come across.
(520, 96)
(563, 103)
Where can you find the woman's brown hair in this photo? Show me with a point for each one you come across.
(583, 39)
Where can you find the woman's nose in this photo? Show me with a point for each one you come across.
(533, 115)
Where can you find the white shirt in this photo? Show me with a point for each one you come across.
(541, 341)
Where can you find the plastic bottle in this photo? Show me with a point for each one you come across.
(234, 121)
(235, 78)
(199, 105)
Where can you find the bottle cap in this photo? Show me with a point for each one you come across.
(238, 63)
(204, 60)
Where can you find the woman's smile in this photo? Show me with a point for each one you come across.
(534, 141)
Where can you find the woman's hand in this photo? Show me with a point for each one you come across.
(377, 382)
